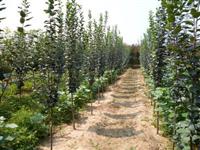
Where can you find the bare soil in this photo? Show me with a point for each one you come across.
(121, 121)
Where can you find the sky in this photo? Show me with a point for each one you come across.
(131, 16)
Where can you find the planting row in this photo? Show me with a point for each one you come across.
(48, 76)
(171, 62)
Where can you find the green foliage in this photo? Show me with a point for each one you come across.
(64, 105)
(63, 110)
(25, 140)
(82, 95)
(28, 87)
(11, 90)
(12, 104)
(38, 126)
(172, 63)
(73, 23)
(5, 136)
(22, 117)
(2, 7)
(47, 68)
(33, 121)
(31, 127)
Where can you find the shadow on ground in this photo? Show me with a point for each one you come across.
(114, 132)
(121, 96)
(125, 103)
(121, 116)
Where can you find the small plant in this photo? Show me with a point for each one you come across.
(6, 136)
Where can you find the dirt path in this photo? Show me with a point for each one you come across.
(122, 121)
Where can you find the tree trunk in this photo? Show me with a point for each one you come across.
(91, 107)
(73, 112)
(98, 95)
(158, 124)
(51, 127)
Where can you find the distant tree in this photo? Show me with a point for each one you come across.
(134, 55)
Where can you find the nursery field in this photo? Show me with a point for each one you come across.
(75, 84)
(170, 58)
(122, 120)
(48, 76)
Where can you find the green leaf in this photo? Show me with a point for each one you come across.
(192, 38)
(22, 14)
(195, 137)
(1, 138)
(184, 115)
(2, 8)
(9, 138)
(192, 128)
(186, 139)
(189, 2)
(29, 18)
(22, 20)
(177, 29)
(189, 23)
(195, 13)
(171, 115)
(2, 118)
(11, 125)
(171, 18)
(37, 118)
(159, 109)
(28, 25)
(20, 29)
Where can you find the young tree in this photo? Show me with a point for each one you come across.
(174, 68)
(53, 58)
(91, 55)
(74, 28)
(20, 51)
(3, 69)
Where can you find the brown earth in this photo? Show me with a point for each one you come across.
(121, 121)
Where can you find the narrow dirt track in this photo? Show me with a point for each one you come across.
(122, 121)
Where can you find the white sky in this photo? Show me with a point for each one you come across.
(131, 16)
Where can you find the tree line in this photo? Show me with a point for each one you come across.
(60, 68)
(171, 61)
